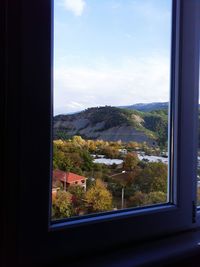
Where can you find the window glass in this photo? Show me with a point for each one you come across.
(111, 99)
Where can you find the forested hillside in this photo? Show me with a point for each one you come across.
(114, 124)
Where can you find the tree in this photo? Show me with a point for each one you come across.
(61, 160)
(138, 199)
(98, 197)
(152, 178)
(115, 188)
(78, 193)
(130, 162)
(75, 158)
(78, 141)
(142, 199)
(87, 163)
(62, 205)
(110, 152)
(91, 145)
(156, 197)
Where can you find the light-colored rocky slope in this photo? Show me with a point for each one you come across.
(89, 126)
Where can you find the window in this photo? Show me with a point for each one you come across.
(28, 139)
(103, 71)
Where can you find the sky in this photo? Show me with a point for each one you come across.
(110, 52)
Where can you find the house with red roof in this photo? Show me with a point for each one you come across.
(69, 178)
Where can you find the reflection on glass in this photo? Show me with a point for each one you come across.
(111, 94)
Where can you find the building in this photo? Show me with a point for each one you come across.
(69, 178)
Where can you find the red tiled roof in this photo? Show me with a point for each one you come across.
(72, 177)
(68, 177)
(58, 175)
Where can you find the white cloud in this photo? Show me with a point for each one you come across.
(133, 81)
(76, 6)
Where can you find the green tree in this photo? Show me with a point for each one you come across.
(115, 188)
(87, 163)
(78, 194)
(60, 158)
(156, 197)
(142, 199)
(152, 178)
(138, 199)
(157, 121)
(98, 197)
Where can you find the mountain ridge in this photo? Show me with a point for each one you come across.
(146, 107)
(113, 124)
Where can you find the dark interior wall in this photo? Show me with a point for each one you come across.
(2, 120)
(9, 141)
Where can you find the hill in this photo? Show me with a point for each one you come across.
(113, 124)
(147, 107)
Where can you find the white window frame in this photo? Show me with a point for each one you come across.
(30, 53)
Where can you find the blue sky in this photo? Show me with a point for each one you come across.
(110, 52)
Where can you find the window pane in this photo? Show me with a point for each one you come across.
(111, 96)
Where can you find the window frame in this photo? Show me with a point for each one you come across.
(29, 68)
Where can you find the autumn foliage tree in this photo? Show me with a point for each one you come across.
(130, 162)
(62, 205)
(98, 197)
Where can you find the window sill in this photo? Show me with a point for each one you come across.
(183, 249)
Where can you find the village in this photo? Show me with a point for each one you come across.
(92, 176)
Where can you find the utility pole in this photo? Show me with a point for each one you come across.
(65, 182)
(123, 192)
(122, 197)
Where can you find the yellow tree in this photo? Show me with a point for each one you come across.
(78, 141)
(98, 197)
